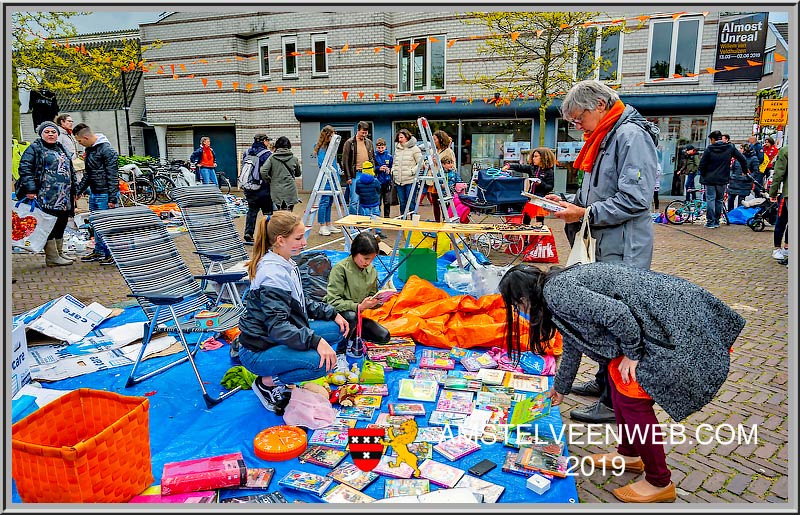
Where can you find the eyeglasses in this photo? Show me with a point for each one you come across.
(578, 120)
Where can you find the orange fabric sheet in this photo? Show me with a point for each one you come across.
(432, 317)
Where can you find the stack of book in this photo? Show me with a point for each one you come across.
(456, 448)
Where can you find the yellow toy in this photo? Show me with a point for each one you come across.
(399, 443)
(352, 376)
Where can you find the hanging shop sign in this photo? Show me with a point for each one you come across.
(741, 41)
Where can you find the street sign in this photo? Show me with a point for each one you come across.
(774, 111)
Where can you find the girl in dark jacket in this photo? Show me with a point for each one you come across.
(278, 342)
(659, 351)
(741, 181)
(541, 178)
(46, 175)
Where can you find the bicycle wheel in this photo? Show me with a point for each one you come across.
(164, 187)
(677, 212)
(516, 243)
(145, 191)
(224, 184)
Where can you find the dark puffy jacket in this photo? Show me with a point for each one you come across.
(31, 168)
(547, 176)
(715, 165)
(740, 183)
(102, 173)
(368, 189)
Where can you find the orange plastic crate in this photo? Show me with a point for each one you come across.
(86, 446)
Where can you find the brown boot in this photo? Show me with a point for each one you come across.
(51, 257)
(61, 251)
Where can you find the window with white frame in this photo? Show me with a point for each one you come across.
(290, 54)
(674, 47)
(603, 43)
(769, 62)
(319, 45)
(263, 53)
(421, 64)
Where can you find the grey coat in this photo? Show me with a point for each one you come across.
(679, 332)
(620, 189)
(279, 171)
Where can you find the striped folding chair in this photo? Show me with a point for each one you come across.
(210, 224)
(161, 281)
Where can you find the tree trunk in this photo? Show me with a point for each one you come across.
(16, 131)
(542, 121)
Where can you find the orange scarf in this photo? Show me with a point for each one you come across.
(591, 147)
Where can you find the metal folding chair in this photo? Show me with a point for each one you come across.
(210, 224)
(161, 281)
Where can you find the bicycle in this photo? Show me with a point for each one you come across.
(134, 187)
(223, 182)
(679, 212)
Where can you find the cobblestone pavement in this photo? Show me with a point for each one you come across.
(732, 262)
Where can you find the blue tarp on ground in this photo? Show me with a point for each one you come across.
(182, 427)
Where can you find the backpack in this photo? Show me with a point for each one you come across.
(249, 176)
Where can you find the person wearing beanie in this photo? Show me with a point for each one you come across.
(368, 189)
(46, 175)
(260, 199)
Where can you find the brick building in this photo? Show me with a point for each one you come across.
(287, 73)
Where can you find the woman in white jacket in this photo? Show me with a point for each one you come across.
(407, 156)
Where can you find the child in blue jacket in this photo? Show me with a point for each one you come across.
(383, 164)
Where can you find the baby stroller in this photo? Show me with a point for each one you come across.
(767, 210)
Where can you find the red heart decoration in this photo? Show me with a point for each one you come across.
(22, 227)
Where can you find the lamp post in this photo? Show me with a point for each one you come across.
(126, 108)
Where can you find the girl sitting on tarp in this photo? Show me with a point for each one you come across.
(278, 342)
(352, 284)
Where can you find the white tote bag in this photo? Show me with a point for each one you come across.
(584, 246)
(30, 226)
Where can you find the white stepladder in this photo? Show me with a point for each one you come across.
(328, 185)
(430, 169)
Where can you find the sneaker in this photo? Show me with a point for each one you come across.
(342, 365)
(710, 226)
(94, 256)
(107, 260)
(271, 397)
(334, 230)
(324, 231)
(780, 254)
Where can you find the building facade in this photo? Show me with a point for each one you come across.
(290, 73)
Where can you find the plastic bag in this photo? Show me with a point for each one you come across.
(535, 364)
(309, 409)
(458, 279)
(30, 226)
(485, 280)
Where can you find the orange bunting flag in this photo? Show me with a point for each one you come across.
(235, 86)
(83, 49)
(514, 36)
(190, 76)
(691, 74)
(145, 69)
(344, 95)
(451, 43)
(248, 86)
(346, 47)
(359, 51)
(539, 32)
(204, 81)
(219, 84)
(779, 58)
(160, 70)
(203, 61)
(433, 39)
(421, 97)
(437, 98)
(678, 15)
(310, 52)
(731, 68)
(677, 76)
(753, 63)
(485, 100)
(391, 96)
(377, 96)
(414, 47)
(704, 13)
(172, 68)
(397, 48)
(294, 54)
(294, 90)
(264, 89)
(712, 71)
(175, 77)
(280, 89)
(328, 50)
(183, 67)
(643, 18)
(639, 84)
(564, 26)
(360, 94)
(378, 49)
(453, 100)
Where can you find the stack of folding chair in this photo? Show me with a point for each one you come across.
(161, 281)
(210, 224)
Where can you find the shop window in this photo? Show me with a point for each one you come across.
(263, 52)
(289, 56)
(421, 64)
(606, 46)
(674, 47)
(319, 45)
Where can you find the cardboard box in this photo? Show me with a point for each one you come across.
(538, 484)
(66, 318)
(20, 360)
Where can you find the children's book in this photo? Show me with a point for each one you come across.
(397, 487)
(306, 482)
(491, 491)
(485, 399)
(455, 401)
(532, 407)
(414, 390)
(430, 434)
(323, 456)
(428, 374)
(386, 420)
(437, 363)
(375, 389)
(396, 362)
(466, 374)
(440, 474)
(471, 363)
(485, 360)
(456, 448)
(445, 418)
(545, 458)
(331, 437)
(491, 376)
(272, 497)
(385, 295)
(407, 408)
(203, 474)
(258, 478)
(344, 423)
(422, 450)
(500, 389)
(526, 382)
(350, 475)
(457, 353)
(343, 493)
(517, 439)
(367, 401)
(460, 383)
(510, 466)
(153, 495)
(435, 353)
(475, 424)
(390, 466)
(441, 496)
(356, 412)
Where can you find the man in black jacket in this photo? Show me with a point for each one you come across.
(260, 199)
(101, 176)
(715, 172)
